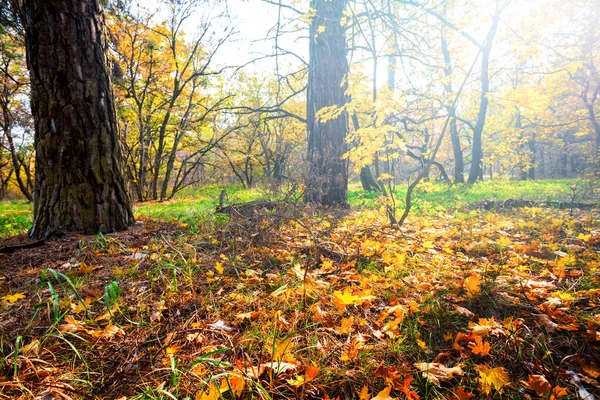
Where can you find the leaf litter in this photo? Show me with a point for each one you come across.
(305, 303)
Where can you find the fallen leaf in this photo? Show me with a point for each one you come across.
(31, 348)
(311, 372)
(472, 285)
(460, 394)
(480, 347)
(590, 369)
(384, 394)
(219, 267)
(490, 378)
(437, 372)
(12, 298)
(279, 366)
(364, 394)
(297, 381)
(219, 325)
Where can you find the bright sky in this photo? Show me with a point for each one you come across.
(251, 18)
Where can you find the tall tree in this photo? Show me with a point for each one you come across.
(78, 181)
(476, 171)
(327, 181)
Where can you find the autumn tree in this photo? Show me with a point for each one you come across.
(327, 181)
(78, 181)
(167, 92)
(16, 155)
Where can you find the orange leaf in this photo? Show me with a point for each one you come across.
(311, 372)
(405, 388)
(480, 347)
(591, 369)
(460, 394)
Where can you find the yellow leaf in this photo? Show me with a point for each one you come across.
(364, 394)
(12, 298)
(486, 326)
(384, 394)
(212, 394)
(78, 307)
(280, 348)
(219, 267)
(472, 285)
(321, 29)
(422, 344)
(583, 237)
(490, 378)
(297, 381)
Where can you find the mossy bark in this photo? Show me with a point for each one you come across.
(79, 185)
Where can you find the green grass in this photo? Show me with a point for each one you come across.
(195, 205)
(15, 217)
(430, 196)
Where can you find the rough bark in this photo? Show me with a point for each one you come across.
(79, 186)
(327, 181)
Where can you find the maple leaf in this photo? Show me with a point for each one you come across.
(405, 388)
(480, 347)
(212, 394)
(539, 384)
(33, 348)
(234, 383)
(490, 378)
(437, 372)
(219, 267)
(346, 326)
(364, 394)
(460, 394)
(12, 298)
(311, 372)
(78, 307)
(341, 300)
(384, 394)
(486, 326)
(472, 285)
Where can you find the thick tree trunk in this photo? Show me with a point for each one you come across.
(327, 181)
(78, 185)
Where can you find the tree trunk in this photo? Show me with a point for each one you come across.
(459, 165)
(596, 127)
(327, 181)
(78, 186)
(476, 168)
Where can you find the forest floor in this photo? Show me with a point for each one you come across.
(299, 302)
